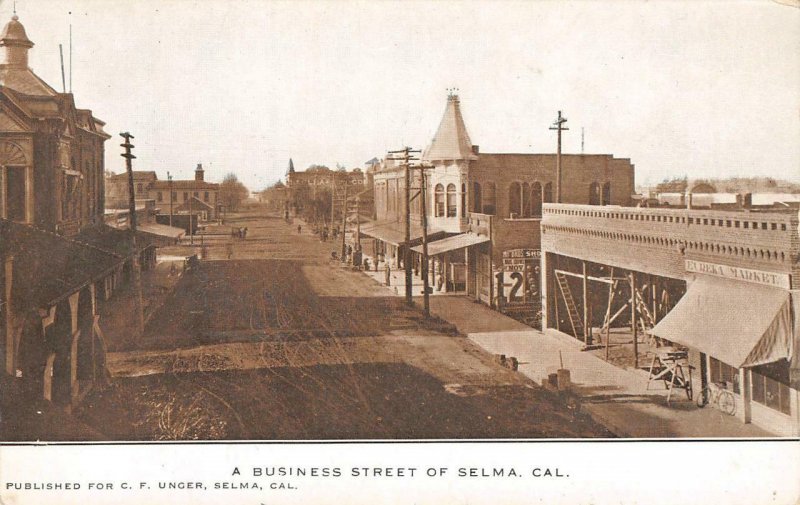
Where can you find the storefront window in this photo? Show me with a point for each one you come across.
(771, 385)
(722, 372)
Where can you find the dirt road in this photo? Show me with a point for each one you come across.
(278, 342)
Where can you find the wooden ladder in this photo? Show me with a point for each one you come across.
(574, 316)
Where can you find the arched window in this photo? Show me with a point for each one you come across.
(547, 195)
(536, 199)
(594, 194)
(438, 199)
(514, 201)
(490, 202)
(477, 204)
(463, 199)
(607, 193)
(451, 201)
(526, 199)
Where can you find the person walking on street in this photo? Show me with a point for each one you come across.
(299, 228)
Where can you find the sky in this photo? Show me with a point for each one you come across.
(703, 89)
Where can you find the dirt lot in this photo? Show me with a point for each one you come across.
(279, 343)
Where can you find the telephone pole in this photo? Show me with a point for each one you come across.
(344, 222)
(137, 271)
(191, 230)
(559, 126)
(423, 191)
(406, 159)
(169, 179)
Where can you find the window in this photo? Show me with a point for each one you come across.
(536, 199)
(594, 194)
(490, 202)
(196, 194)
(607, 193)
(514, 201)
(722, 372)
(174, 195)
(477, 204)
(452, 210)
(547, 195)
(771, 385)
(463, 199)
(438, 201)
(526, 199)
(139, 187)
(185, 196)
(205, 196)
(15, 193)
(160, 196)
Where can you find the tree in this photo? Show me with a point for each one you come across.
(232, 192)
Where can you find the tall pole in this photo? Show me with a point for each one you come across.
(137, 272)
(333, 203)
(344, 222)
(407, 243)
(406, 159)
(358, 222)
(559, 126)
(426, 303)
(191, 230)
(169, 179)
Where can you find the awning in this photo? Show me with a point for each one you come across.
(394, 232)
(739, 323)
(452, 243)
(162, 230)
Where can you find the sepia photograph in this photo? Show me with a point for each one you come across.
(339, 251)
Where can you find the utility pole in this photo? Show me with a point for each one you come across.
(191, 230)
(333, 203)
(406, 159)
(358, 223)
(344, 222)
(137, 271)
(169, 179)
(583, 133)
(423, 191)
(559, 126)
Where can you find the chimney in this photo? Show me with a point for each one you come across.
(688, 200)
(747, 200)
(475, 149)
(198, 172)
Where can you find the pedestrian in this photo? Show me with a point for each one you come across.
(229, 250)
(245, 233)
(299, 228)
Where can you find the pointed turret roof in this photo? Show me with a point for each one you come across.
(451, 141)
(291, 166)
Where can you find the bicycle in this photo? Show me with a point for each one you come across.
(719, 395)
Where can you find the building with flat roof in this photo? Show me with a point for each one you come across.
(493, 202)
(723, 284)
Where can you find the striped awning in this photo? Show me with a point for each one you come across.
(739, 323)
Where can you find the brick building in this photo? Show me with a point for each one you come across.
(57, 253)
(485, 210)
(722, 283)
(183, 196)
(51, 152)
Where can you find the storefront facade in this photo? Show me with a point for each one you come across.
(738, 316)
